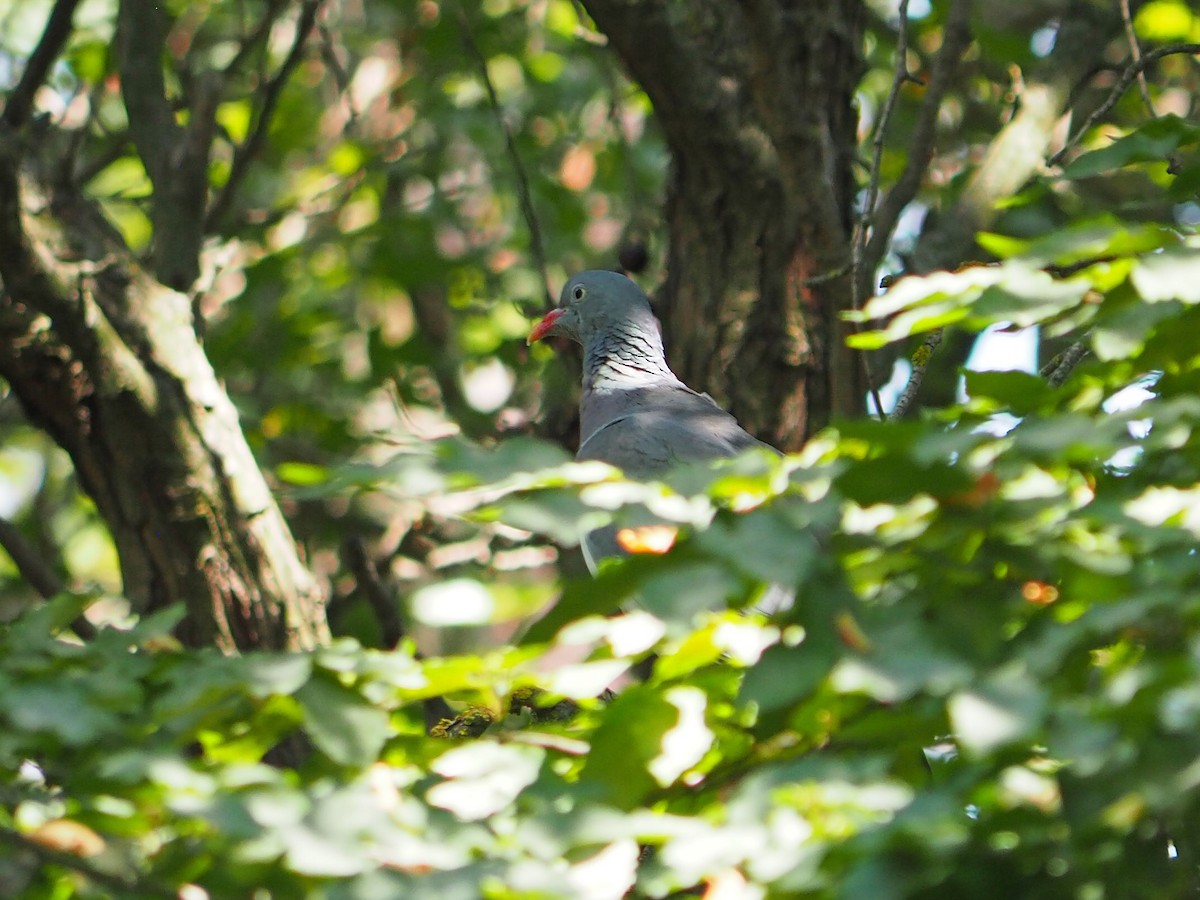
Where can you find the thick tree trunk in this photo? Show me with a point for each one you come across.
(107, 360)
(755, 99)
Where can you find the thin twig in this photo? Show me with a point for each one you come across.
(863, 226)
(956, 37)
(256, 39)
(901, 76)
(41, 577)
(58, 28)
(608, 72)
(920, 364)
(1056, 371)
(121, 886)
(877, 224)
(245, 154)
(38, 572)
(523, 192)
(825, 277)
(1135, 53)
(329, 54)
(378, 597)
(1126, 79)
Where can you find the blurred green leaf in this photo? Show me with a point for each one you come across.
(483, 778)
(344, 726)
(1153, 141)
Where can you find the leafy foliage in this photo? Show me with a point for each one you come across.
(986, 686)
(987, 677)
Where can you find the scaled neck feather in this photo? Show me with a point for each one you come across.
(625, 358)
(622, 370)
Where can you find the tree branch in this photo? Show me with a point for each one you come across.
(1056, 371)
(256, 39)
(1017, 152)
(58, 29)
(245, 154)
(189, 510)
(175, 157)
(1127, 77)
(357, 558)
(40, 575)
(860, 283)
(899, 79)
(1135, 53)
(956, 37)
(536, 248)
(141, 34)
(920, 364)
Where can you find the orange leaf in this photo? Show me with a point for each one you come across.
(68, 836)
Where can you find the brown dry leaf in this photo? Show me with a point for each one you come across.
(68, 836)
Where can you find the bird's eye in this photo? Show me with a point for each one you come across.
(578, 293)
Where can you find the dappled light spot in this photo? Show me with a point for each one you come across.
(459, 601)
(483, 778)
(1167, 505)
(1039, 592)
(578, 168)
(488, 385)
(685, 743)
(653, 539)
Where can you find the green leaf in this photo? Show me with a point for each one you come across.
(1152, 142)
(281, 674)
(1006, 709)
(628, 743)
(302, 474)
(1015, 292)
(1172, 275)
(64, 708)
(1021, 392)
(1104, 236)
(785, 675)
(341, 723)
(483, 778)
(678, 593)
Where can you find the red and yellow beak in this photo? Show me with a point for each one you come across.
(542, 328)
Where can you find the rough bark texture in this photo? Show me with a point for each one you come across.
(755, 99)
(107, 360)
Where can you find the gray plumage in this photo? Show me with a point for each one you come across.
(634, 413)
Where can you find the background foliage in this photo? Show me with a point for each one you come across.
(989, 683)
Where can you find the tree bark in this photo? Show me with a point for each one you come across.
(755, 100)
(107, 360)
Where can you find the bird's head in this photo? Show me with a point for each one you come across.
(594, 302)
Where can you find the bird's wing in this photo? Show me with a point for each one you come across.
(665, 429)
(660, 429)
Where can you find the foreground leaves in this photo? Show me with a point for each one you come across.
(988, 678)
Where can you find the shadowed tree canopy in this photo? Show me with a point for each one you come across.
(266, 273)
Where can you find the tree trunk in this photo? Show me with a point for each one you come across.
(107, 360)
(755, 99)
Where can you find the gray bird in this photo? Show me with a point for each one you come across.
(634, 413)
